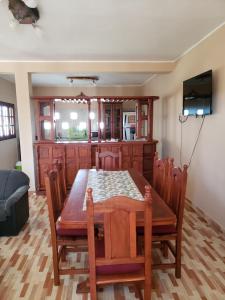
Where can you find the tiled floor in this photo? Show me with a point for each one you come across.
(26, 265)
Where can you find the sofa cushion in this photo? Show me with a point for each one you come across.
(15, 180)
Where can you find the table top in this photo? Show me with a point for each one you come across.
(73, 215)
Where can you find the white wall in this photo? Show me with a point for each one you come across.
(206, 175)
(8, 148)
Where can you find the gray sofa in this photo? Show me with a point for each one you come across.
(14, 206)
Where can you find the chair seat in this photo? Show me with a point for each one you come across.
(164, 229)
(159, 230)
(114, 269)
(70, 232)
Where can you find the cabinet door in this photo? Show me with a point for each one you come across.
(137, 157)
(137, 164)
(44, 164)
(71, 164)
(126, 157)
(84, 156)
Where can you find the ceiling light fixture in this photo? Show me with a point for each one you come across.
(31, 3)
(91, 79)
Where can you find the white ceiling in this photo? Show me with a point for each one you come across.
(110, 29)
(127, 30)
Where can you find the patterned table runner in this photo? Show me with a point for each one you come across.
(106, 184)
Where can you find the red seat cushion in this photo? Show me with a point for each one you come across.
(164, 229)
(113, 269)
(70, 232)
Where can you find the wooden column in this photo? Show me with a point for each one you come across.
(150, 119)
(89, 121)
(99, 120)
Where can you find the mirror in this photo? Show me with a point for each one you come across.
(71, 121)
(118, 120)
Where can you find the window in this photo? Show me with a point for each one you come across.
(7, 121)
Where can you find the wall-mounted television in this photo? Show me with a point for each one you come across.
(197, 95)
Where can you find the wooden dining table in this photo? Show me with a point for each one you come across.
(74, 216)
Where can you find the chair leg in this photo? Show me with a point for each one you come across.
(55, 266)
(93, 292)
(178, 258)
(147, 291)
(137, 291)
(63, 254)
(164, 248)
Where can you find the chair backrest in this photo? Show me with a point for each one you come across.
(119, 215)
(177, 181)
(108, 160)
(53, 198)
(160, 175)
(58, 166)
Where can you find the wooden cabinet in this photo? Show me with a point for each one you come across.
(45, 120)
(75, 156)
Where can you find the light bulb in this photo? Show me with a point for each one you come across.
(31, 3)
(13, 23)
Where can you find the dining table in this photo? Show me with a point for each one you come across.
(74, 215)
(106, 184)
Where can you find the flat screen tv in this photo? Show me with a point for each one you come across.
(197, 95)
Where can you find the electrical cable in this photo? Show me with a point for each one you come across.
(196, 142)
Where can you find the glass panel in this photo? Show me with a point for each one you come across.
(5, 110)
(1, 131)
(129, 120)
(72, 123)
(107, 121)
(144, 110)
(117, 120)
(6, 130)
(94, 120)
(144, 128)
(46, 130)
(44, 108)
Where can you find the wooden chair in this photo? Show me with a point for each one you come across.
(61, 180)
(115, 259)
(160, 175)
(177, 180)
(63, 240)
(108, 161)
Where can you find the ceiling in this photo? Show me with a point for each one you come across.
(110, 29)
(105, 79)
